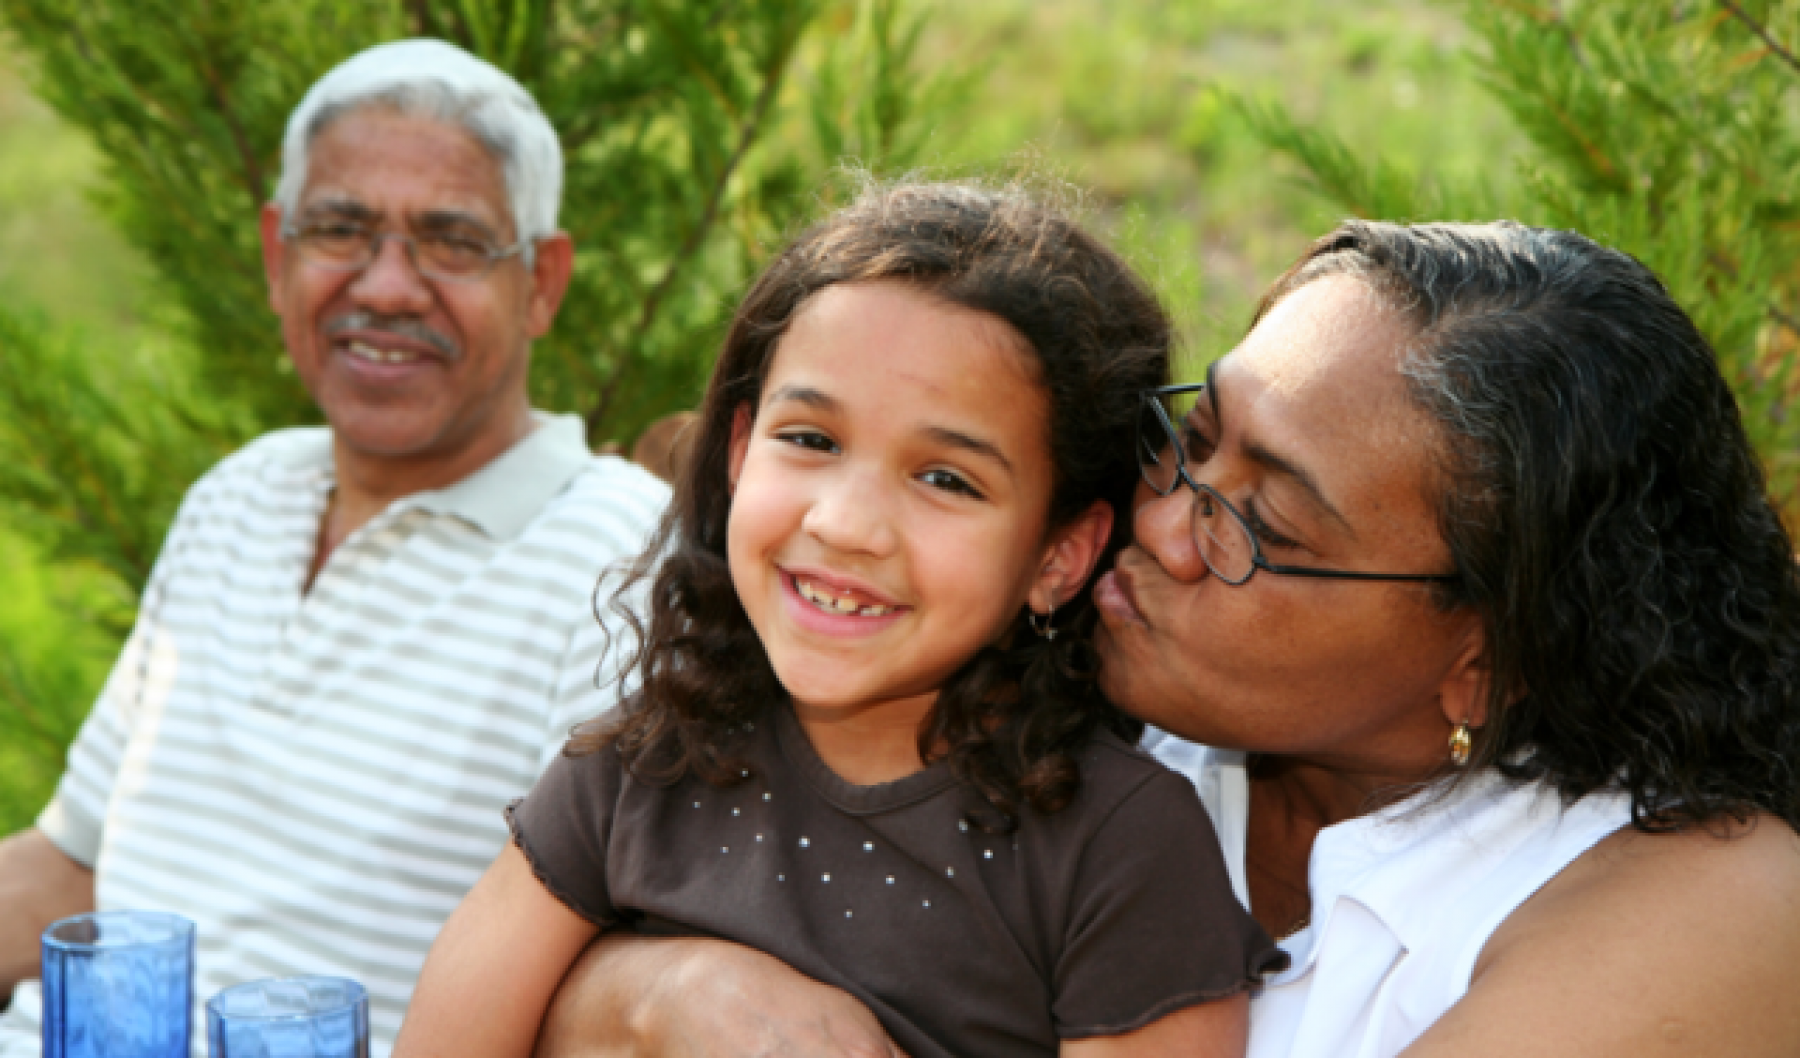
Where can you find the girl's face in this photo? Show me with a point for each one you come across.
(890, 496)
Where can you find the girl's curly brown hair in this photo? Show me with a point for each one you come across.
(1011, 719)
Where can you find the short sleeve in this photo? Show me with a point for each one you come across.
(592, 677)
(74, 819)
(563, 827)
(1154, 927)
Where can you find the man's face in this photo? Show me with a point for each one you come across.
(406, 367)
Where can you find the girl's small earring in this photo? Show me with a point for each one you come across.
(1460, 745)
(1044, 629)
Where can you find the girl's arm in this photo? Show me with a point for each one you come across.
(1649, 944)
(1219, 1029)
(493, 969)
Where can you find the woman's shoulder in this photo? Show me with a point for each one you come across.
(1678, 938)
(1729, 874)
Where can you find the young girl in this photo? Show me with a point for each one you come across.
(867, 738)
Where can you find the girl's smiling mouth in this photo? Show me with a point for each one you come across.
(845, 605)
(830, 604)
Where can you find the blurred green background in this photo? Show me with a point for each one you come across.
(1208, 139)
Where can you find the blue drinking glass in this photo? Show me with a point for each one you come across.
(118, 984)
(290, 1017)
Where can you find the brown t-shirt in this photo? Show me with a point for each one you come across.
(1094, 921)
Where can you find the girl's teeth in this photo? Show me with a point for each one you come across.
(846, 605)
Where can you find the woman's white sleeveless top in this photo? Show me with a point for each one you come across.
(1403, 901)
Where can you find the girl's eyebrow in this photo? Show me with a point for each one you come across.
(944, 435)
(957, 439)
(812, 398)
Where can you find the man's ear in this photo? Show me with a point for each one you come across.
(1464, 692)
(273, 252)
(1070, 557)
(740, 441)
(552, 263)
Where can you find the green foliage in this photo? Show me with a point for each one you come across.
(1666, 130)
(1130, 101)
(94, 465)
(55, 646)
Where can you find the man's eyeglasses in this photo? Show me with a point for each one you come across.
(1222, 536)
(344, 246)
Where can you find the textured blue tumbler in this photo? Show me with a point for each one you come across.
(118, 984)
(290, 1017)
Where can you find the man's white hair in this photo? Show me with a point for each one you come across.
(433, 79)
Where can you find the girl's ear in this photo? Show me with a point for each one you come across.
(740, 441)
(1071, 557)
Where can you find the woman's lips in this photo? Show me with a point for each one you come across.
(1113, 596)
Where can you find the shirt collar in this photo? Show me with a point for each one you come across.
(504, 496)
(1403, 863)
(500, 499)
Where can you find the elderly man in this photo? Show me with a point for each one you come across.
(360, 642)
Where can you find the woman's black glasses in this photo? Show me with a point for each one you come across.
(1221, 534)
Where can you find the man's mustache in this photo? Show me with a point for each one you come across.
(403, 326)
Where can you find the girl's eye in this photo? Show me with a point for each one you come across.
(809, 439)
(1264, 532)
(949, 481)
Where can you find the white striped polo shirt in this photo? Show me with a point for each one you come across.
(316, 780)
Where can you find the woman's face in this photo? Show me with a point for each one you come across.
(1308, 431)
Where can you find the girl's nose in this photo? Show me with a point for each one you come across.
(854, 515)
(1163, 527)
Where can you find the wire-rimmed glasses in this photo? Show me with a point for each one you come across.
(1222, 536)
(343, 246)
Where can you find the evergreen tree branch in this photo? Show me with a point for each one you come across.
(1786, 319)
(653, 302)
(254, 180)
(1762, 31)
(418, 13)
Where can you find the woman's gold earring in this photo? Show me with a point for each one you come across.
(1460, 745)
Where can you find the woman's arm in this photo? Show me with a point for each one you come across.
(1219, 1029)
(493, 969)
(700, 998)
(1659, 944)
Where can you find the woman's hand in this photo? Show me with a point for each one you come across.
(643, 997)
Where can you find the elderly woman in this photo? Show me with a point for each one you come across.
(1458, 585)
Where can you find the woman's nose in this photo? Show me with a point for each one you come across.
(854, 515)
(1163, 527)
